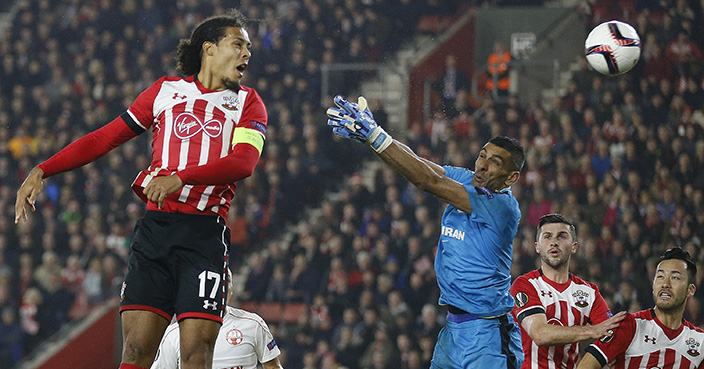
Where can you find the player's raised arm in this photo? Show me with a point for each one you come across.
(355, 122)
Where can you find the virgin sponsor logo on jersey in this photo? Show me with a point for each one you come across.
(581, 298)
(234, 337)
(188, 125)
(454, 233)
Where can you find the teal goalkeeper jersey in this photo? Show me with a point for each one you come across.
(473, 261)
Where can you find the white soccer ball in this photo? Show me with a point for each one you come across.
(612, 48)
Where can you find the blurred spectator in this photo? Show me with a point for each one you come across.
(30, 319)
(451, 81)
(498, 64)
(10, 337)
(683, 54)
(255, 287)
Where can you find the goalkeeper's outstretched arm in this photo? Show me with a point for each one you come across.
(355, 121)
(426, 175)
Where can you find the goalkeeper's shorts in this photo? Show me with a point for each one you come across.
(469, 342)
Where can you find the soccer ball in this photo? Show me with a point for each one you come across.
(612, 48)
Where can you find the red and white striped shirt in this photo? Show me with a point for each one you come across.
(576, 302)
(642, 341)
(192, 126)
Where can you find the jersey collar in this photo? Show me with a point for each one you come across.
(669, 332)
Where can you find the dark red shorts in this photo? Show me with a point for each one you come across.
(178, 265)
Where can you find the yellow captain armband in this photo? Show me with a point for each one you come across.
(250, 136)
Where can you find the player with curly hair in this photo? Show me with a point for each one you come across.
(207, 133)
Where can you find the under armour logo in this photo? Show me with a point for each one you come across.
(177, 96)
(650, 339)
(543, 293)
(188, 125)
(207, 304)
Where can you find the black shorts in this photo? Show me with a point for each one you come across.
(178, 265)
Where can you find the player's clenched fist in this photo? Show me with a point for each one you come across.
(356, 122)
(159, 187)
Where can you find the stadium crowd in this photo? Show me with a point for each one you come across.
(617, 155)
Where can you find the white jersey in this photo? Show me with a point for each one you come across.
(243, 341)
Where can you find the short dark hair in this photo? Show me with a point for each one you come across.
(211, 29)
(679, 253)
(556, 218)
(518, 154)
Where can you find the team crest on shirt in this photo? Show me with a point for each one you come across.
(581, 298)
(231, 102)
(234, 337)
(693, 346)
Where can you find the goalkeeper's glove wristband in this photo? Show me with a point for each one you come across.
(379, 140)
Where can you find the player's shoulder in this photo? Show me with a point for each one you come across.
(459, 174)
(643, 314)
(248, 89)
(533, 274)
(524, 282)
(251, 92)
(175, 79)
(692, 327)
(171, 79)
(583, 282)
(244, 315)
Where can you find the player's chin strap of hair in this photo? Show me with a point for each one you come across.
(379, 140)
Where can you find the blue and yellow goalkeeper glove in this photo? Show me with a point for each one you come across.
(356, 122)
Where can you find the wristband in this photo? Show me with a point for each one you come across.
(379, 140)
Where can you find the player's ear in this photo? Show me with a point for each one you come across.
(512, 178)
(537, 248)
(575, 247)
(691, 290)
(208, 48)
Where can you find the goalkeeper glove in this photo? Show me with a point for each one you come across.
(355, 121)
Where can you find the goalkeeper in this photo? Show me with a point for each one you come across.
(474, 252)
